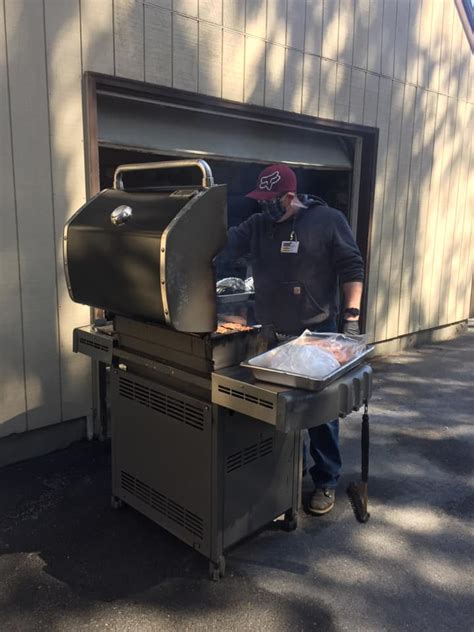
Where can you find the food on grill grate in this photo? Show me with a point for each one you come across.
(228, 328)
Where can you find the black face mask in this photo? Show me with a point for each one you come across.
(274, 208)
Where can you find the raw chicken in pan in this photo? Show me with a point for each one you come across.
(310, 355)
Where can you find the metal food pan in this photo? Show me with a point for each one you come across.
(296, 380)
(229, 299)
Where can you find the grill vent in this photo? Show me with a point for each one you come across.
(249, 455)
(233, 392)
(163, 505)
(265, 447)
(170, 406)
(92, 343)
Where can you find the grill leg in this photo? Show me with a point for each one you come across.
(217, 569)
(116, 502)
(290, 522)
(102, 374)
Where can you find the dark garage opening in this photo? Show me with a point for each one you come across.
(133, 122)
(239, 176)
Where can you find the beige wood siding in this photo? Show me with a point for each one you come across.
(404, 66)
(29, 110)
(12, 367)
(66, 131)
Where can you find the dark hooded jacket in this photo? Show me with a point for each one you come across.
(295, 291)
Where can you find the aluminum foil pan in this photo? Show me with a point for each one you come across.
(294, 380)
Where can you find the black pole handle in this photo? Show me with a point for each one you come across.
(365, 445)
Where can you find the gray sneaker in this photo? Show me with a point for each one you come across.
(322, 501)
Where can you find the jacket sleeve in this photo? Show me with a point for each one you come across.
(346, 257)
(238, 241)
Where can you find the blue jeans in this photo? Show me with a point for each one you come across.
(324, 439)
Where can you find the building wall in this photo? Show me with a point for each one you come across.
(403, 66)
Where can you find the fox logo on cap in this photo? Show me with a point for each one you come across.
(274, 180)
(268, 182)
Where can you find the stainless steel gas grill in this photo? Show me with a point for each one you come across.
(198, 445)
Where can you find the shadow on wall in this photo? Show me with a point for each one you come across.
(418, 248)
(45, 378)
(417, 273)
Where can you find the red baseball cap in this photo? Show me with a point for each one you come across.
(274, 181)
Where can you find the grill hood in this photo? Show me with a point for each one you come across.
(149, 254)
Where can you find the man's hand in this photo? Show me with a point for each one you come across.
(352, 298)
(351, 327)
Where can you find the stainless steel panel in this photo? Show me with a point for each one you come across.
(96, 345)
(190, 352)
(244, 396)
(199, 471)
(259, 466)
(291, 409)
(162, 456)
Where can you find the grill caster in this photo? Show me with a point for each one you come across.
(217, 569)
(290, 522)
(116, 502)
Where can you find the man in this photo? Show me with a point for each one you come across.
(299, 248)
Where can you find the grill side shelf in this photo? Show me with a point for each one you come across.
(290, 409)
(244, 397)
(93, 344)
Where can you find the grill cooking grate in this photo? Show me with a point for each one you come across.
(170, 406)
(163, 505)
(226, 390)
(249, 455)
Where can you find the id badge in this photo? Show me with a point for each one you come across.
(289, 247)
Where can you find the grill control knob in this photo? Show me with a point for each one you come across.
(120, 215)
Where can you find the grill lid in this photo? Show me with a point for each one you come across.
(149, 255)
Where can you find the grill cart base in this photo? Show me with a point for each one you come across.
(212, 456)
(206, 474)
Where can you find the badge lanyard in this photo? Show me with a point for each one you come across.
(292, 246)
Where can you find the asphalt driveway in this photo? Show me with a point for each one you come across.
(70, 562)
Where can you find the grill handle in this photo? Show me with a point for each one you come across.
(207, 177)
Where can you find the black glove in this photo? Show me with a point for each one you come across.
(351, 327)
